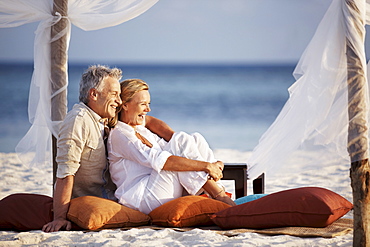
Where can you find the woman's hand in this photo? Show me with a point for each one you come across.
(215, 170)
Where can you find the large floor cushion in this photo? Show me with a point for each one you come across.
(187, 211)
(306, 207)
(90, 212)
(24, 212)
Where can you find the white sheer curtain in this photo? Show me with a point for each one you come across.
(314, 120)
(312, 127)
(35, 147)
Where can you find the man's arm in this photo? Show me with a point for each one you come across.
(159, 127)
(61, 200)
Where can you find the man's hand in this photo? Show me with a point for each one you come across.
(215, 170)
(61, 200)
(56, 225)
(159, 127)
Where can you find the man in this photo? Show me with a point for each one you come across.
(81, 154)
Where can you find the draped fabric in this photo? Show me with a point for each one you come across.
(35, 147)
(314, 121)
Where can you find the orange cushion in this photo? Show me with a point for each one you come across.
(24, 212)
(308, 207)
(90, 212)
(187, 211)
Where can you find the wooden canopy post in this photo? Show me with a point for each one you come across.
(58, 52)
(358, 134)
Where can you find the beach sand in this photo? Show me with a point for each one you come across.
(16, 178)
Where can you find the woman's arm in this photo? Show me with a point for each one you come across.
(159, 127)
(124, 144)
(177, 163)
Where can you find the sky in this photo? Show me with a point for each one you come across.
(190, 31)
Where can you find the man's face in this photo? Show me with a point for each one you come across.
(105, 102)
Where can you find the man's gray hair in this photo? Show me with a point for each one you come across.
(93, 77)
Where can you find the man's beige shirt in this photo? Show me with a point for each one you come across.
(81, 153)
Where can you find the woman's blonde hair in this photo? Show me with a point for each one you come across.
(129, 88)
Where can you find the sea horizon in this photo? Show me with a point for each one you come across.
(232, 105)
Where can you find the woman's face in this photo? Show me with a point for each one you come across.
(137, 108)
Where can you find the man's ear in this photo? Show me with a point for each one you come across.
(93, 94)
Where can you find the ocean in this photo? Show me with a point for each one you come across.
(232, 106)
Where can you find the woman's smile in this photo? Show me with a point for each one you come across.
(136, 109)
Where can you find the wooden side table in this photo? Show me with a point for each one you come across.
(239, 173)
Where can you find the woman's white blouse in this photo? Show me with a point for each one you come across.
(132, 162)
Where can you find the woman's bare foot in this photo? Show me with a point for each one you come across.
(217, 193)
(224, 198)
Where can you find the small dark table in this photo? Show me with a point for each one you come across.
(239, 173)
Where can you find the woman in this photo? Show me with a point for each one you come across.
(149, 171)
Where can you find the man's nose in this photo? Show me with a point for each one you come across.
(119, 100)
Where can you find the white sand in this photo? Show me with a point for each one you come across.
(16, 178)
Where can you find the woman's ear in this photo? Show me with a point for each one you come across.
(124, 106)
